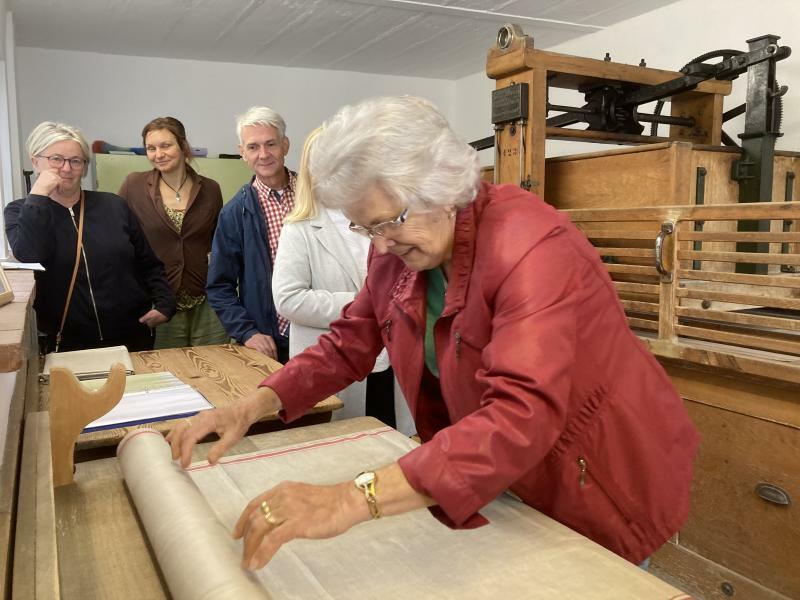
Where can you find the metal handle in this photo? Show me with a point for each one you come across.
(774, 494)
(666, 229)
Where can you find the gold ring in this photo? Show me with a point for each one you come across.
(268, 516)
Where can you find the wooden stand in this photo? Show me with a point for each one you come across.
(72, 408)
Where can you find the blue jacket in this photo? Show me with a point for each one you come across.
(239, 282)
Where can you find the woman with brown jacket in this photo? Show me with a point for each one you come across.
(178, 211)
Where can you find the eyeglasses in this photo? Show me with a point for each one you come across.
(57, 161)
(381, 229)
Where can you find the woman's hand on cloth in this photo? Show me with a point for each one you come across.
(153, 319)
(299, 510)
(230, 423)
(296, 510)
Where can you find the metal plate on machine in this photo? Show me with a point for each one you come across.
(510, 103)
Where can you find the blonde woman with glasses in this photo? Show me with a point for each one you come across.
(102, 284)
(319, 268)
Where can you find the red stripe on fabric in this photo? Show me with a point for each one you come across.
(270, 454)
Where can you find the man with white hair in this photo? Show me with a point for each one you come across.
(243, 252)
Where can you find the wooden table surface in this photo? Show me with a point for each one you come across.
(102, 549)
(223, 374)
(13, 322)
(84, 540)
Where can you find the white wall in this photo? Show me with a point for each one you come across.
(12, 107)
(3, 10)
(112, 97)
(666, 38)
(10, 166)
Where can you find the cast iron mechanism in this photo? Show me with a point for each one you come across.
(612, 106)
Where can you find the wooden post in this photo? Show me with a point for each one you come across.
(72, 408)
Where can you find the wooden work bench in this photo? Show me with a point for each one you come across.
(223, 374)
(84, 540)
(19, 375)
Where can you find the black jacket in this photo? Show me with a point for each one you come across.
(127, 279)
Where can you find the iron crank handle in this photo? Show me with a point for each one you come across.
(666, 229)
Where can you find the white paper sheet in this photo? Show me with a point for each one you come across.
(10, 265)
(149, 397)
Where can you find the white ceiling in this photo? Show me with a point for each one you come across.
(444, 39)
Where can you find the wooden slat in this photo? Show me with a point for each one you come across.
(637, 252)
(653, 214)
(621, 234)
(738, 236)
(762, 258)
(35, 552)
(765, 280)
(637, 288)
(572, 72)
(649, 308)
(9, 478)
(734, 212)
(739, 339)
(734, 298)
(717, 212)
(601, 137)
(740, 318)
(642, 324)
(633, 269)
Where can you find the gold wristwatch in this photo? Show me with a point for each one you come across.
(366, 482)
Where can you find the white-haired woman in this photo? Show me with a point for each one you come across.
(507, 337)
(102, 284)
(243, 252)
(320, 267)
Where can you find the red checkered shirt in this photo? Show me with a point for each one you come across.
(276, 206)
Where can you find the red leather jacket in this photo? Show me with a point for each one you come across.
(543, 387)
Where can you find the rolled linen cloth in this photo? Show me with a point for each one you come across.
(195, 551)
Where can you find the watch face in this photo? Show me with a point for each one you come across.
(364, 479)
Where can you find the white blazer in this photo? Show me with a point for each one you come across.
(314, 277)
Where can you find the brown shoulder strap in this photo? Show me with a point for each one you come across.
(74, 274)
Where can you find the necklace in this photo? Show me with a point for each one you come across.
(178, 189)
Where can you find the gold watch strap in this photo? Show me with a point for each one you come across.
(372, 500)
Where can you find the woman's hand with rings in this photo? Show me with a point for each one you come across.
(296, 510)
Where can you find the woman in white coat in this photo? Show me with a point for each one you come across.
(319, 268)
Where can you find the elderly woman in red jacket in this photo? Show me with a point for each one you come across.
(507, 339)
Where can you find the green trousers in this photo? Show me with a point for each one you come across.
(198, 326)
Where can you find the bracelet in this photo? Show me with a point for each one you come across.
(366, 482)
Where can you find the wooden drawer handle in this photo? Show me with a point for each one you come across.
(774, 494)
